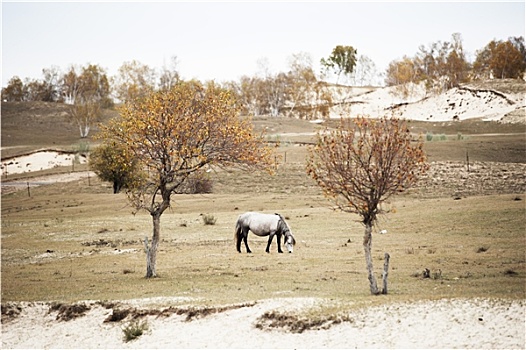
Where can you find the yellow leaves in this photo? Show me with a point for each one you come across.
(181, 130)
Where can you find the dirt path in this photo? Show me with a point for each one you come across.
(16, 185)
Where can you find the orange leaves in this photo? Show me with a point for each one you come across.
(362, 162)
(178, 132)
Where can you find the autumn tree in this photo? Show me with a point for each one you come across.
(249, 92)
(402, 74)
(501, 59)
(272, 89)
(301, 82)
(112, 162)
(359, 166)
(134, 80)
(440, 67)
(87, 92)
(341, 61)
(14, 91)
(169, 75)
(174, 135)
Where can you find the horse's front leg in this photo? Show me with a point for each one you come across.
(278, 238)
(270, 237)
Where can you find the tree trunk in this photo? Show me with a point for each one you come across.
(367, 243)
(151, 251)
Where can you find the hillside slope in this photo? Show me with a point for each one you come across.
(502, 100)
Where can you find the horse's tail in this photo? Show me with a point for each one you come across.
(237, 232)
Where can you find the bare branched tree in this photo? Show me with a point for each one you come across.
(360, 165)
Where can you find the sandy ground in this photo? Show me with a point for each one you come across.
(456, 104)
(476, 323)
(41, 160)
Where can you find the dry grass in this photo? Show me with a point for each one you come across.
(72, 242)
(51, 250)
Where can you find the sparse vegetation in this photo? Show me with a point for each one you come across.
(299, 323)
(201, 260)
(67, 312)
(134, 330)
(209, 219)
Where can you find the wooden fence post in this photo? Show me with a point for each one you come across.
(385, 273)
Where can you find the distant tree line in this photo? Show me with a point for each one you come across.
(298, 92)
(443, 65)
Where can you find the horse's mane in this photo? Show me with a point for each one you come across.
(284, 223)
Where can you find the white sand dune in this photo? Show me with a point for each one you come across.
(474, 323)
(40, 160)
(459, 103)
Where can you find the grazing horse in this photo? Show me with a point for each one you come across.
(263, 225)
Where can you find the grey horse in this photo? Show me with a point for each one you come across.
(263, 225)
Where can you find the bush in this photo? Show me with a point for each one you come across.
(429, 136)
(201, 184)
(134, 330)
(209, 219)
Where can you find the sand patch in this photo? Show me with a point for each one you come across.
(457, 323)
(41, 160)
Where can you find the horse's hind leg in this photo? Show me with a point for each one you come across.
(238, 242)
(245, 239)
(238, 238)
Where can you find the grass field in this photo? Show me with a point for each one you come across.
(77, 241)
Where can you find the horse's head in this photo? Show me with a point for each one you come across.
(285, 229)
(289, 241)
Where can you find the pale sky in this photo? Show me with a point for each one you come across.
(225, 40)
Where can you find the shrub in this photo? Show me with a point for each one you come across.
(197, 183)
(134, 330)
(429, 136)
(209, 219)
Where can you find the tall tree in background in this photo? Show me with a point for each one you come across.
(169, 75)
(249, 92)
(51, 83)
(175, 134)
(359, 166)
(365, 72)
(341, 61)
(441, 66)
(301, 81)
(14, 91)
(501, 59)
(87, 92)
(402, 74)
(134, 80)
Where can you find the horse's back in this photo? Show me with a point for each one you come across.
(259, 223)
